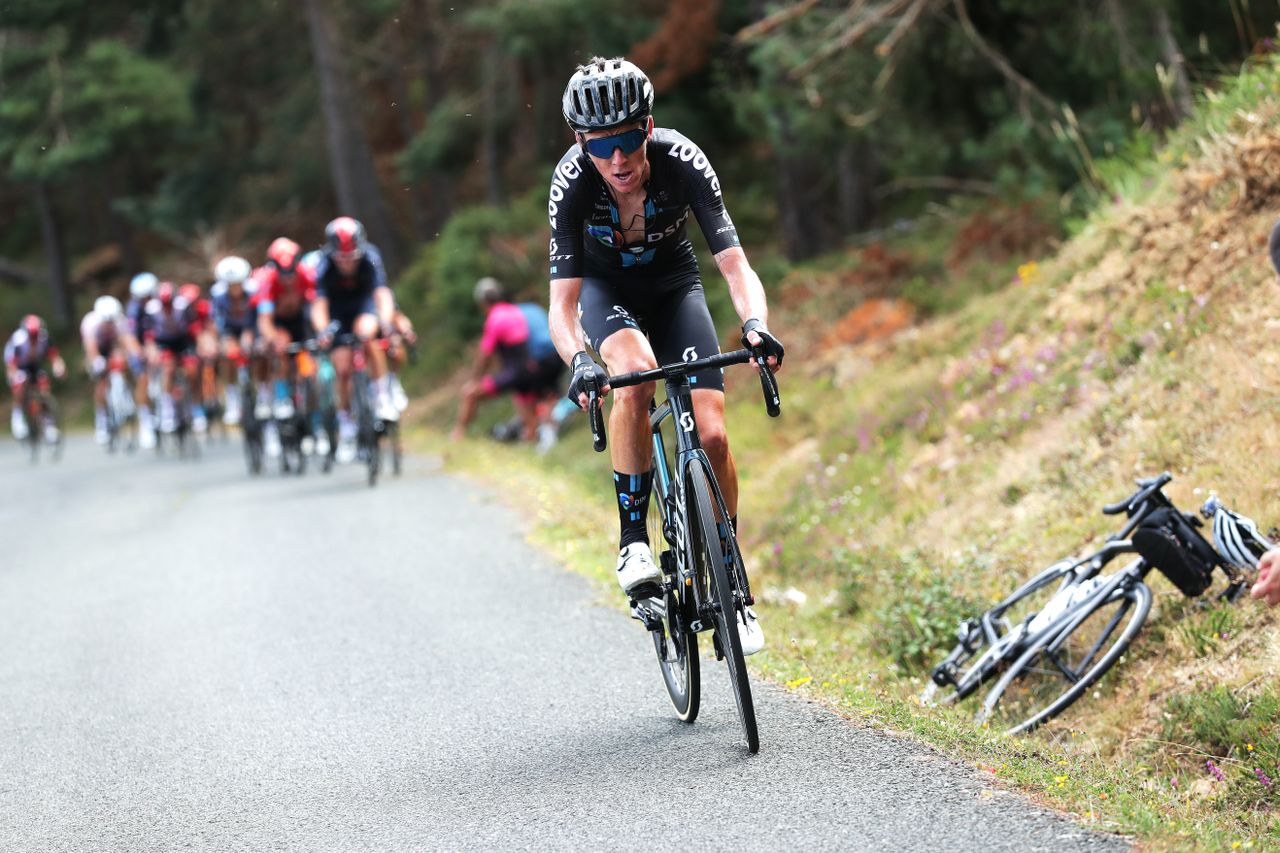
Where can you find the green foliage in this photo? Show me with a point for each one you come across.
(1232, 735)
(917, 623)
(64, 112)
(446, 142)
(478, 241)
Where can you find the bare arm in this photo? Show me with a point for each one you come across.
(745, 288)
(385, 304)
(747, 293)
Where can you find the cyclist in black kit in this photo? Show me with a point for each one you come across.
(624, 280)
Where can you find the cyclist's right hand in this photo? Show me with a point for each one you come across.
(586, 374)
(98, 367)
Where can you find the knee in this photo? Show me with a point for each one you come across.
(636, 396)
(715, 441)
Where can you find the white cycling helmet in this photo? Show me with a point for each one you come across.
(108, 308)
(1236, 537)
(143, 285)
(233, 270)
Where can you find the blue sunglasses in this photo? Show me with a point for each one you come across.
(604, 145)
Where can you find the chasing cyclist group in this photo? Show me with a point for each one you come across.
(190, 352)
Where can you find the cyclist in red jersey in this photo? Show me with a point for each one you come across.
(285, 290)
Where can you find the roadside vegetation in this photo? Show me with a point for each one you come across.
(960, 398)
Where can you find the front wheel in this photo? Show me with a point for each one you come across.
(1056, 671)
(722, 603)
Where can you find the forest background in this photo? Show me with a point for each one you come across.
(162, 134)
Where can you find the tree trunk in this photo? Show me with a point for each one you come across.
(350, 161)
(418, 216)
(1180, 102)
(490, 146)
(439, 190)
(798, 236)
(55, 256)
(855, 185)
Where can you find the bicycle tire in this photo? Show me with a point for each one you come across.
(681, 672)
(54, 412)
(976, 669)
(1136, 595)
(705, 541)
(397, 448)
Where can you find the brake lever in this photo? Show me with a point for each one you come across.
(768, 384)
(595, 417)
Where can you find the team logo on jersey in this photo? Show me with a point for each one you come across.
(605, 235)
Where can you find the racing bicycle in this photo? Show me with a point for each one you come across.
(1047, 643)
(704, 582)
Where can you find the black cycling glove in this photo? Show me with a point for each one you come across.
(586, 373)
(768, 343)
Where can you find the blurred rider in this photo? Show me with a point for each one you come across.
(171, 335)
(235, 323)
(142, 288)
(25, 351)
(104, 334)
(352, 293)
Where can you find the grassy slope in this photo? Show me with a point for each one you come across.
(943, 464)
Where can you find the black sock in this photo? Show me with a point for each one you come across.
(633, 505)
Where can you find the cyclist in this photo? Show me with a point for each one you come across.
(286, 289)
(24, 353)
(171, 332)
(516, 337)
(352, 292)
(1273, 245)
(233, 316)
(104, 334)
(624, 280)
(205, 387)
(142, 288)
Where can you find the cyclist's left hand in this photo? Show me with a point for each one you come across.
(755, 335)
(1267, 586)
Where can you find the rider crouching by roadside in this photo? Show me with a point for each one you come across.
(510, 337)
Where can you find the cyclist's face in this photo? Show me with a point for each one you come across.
(346, 266)
(624, 172)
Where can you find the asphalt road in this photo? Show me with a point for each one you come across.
(189, 658)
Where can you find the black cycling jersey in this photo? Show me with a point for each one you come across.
(681, 181)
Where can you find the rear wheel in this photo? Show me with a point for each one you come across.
(677, 650)
(397, 448)
(1052, 674)
(722, 599)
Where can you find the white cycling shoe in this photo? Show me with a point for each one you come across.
(636, 567)
(750, 633)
